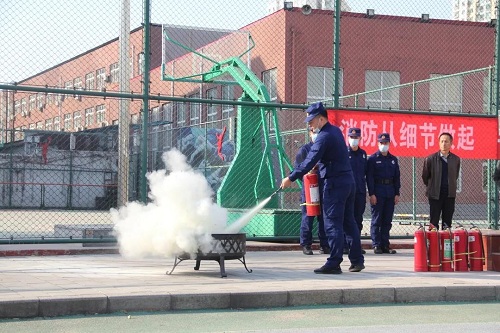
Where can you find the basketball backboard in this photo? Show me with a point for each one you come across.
(190, 52)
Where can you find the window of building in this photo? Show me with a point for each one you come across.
(140, 63)
(194, 111)
(48, 125)
(78, 85)
(114, 72)
(167, 127)
(212, 109)
(67, 122)
(89, 81)
(89, 117)
(181, 113)
(228, 95)
(100, 78)
(155, 117)
(77, 120)
(68, 85)
(40, 100)
(60, 97)
(485, 177)
(17, 107)
(23, 106)
(445, 94)
(487, 88)
(100, 112)
(32, 102)
(269, 79)
(320, 84)
(19, 133)
(57, 124)
(155, 114)
(382, 98)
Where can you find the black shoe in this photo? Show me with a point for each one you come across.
(356, 268)
(307, 250)
(346, 251)
(378, 250)
(388, 250)
(328, 270)
(324, 250)
(363, 251)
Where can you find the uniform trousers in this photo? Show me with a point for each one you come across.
(338, 214)
(381, 223)
(359, 210)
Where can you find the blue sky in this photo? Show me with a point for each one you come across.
(35, 35)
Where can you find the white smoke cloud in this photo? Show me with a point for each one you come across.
(179, 219)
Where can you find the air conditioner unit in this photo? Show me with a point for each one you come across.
(103, 89)
(80, 128)
(107, 79)
(62, 97)
(23, 114)
(104, 124)
(78, 98)
(40, 108)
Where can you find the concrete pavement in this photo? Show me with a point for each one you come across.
(32, 286)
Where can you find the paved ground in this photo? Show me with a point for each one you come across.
(87, 283)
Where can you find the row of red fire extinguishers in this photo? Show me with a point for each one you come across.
(457, 250)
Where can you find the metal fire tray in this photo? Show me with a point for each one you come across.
(226, 247)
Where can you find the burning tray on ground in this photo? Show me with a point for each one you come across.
(226, 247)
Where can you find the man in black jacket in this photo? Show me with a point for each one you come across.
(440, 175)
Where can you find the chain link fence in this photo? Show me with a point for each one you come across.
(93, 93)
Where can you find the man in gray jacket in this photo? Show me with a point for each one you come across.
(440, 174)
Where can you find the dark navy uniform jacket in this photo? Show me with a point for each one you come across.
(383, 176)
(328, 151)
(359, 167)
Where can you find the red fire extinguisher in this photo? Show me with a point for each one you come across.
(420, 251)
(460, 243)
(434, 256)
(311, 190)
(476, 250)
(446, 242)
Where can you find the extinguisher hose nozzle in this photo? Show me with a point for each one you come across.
(276, 192)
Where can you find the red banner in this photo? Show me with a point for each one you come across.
(416, 135)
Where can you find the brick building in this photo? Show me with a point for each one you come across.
(292, 56)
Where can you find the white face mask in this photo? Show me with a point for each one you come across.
(316, 131)
(383, 148)
(314, 136)
(353, 142)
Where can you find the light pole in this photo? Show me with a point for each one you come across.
(124, 113)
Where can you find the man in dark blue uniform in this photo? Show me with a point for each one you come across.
(306, 225)
(330, 153)
(357, 157)
(383, 180)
